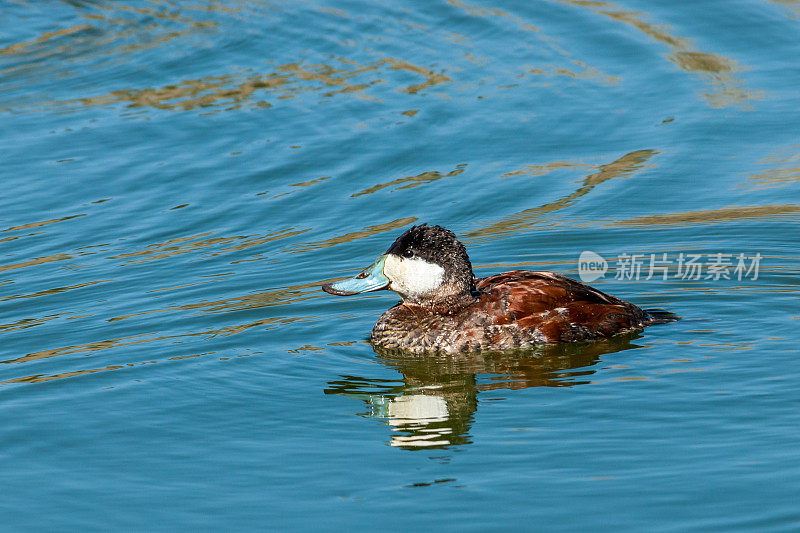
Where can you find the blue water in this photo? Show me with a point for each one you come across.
(180, 177)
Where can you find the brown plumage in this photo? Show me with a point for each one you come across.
(449, 311)
(515, 309)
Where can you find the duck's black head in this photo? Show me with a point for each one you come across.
(424, 253)
(425, 264)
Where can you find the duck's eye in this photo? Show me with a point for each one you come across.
(408, 253)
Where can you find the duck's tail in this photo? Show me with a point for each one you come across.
(660, 316)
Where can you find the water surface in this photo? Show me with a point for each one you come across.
(179, 178)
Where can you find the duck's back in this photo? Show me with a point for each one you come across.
(558, 308)
(515, 309)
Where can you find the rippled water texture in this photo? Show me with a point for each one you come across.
(180, 177)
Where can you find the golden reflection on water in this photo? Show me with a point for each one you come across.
(84, 348)
(189, 94)
(434, 403)
(40, 378)
(138, 33)
(478, 11)
(170, 248)
(43, 223)
(337, 12)
(191, 243)
(714, 215)
(791, 5)
(717, 70)
(622, 167)
(118, 29)
(431, 78)
(92, 348)
(588, 72)
(25, 323)
(23, 46)
(149, 27)
(352, 236)
(165, 249)
(32, 225)
(35, 261)
(310, 182)
(287, 80)
(413, 181)
(54, 290)
(541, 170)
(282, 296)
(785, 169)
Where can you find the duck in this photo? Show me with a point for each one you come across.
(445, 309)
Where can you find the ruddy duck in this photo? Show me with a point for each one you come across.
(446, 309)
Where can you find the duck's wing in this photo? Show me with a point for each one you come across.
(561, 308)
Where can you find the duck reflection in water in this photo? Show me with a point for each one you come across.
(434, 403)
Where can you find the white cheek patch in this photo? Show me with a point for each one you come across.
(412, 276)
